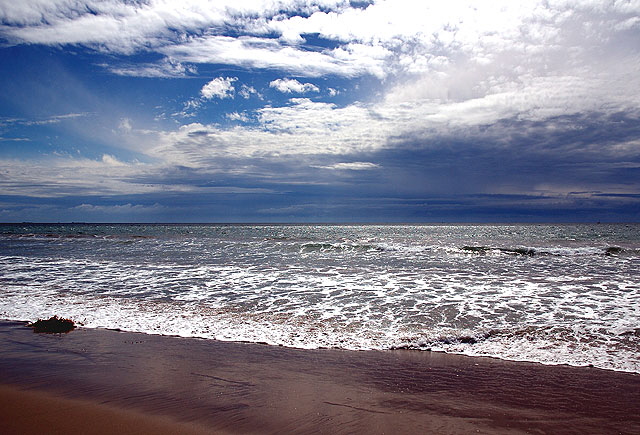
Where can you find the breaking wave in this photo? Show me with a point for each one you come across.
(552, 251)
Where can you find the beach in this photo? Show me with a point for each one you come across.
(319, 217)
(143, 383)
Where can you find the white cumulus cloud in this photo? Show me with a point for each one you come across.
(220, 87)
(288, 86)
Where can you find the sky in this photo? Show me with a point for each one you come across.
(319, 111)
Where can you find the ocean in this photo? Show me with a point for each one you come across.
(554, 294)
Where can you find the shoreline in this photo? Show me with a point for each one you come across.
(80, 326)
(219, 386)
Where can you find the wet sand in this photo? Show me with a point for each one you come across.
(94, 379)
(36, 412)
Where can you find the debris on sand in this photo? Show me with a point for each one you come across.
(53, 325)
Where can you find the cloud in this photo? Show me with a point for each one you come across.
(166, 68)
(126, 209)
(111, 25)
(235, 116)
(456, 97)
(220, 87)
(111, 161)
(247, 91)
(125, 125)
(268, 53)
(381, 39)
(288, 86)
(59, 177)
(59, 210)
(351, 166)
(294, 149)
(55, 119)
(302, 128)
(451, 149)
(190, 31)
(14, 139)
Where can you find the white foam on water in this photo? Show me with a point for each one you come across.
(570, 305)
(337, 309)
(307, 329)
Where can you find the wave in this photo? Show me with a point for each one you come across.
(73, 236)
(614, 348)
(486, 250)
(328, 247)
(558, 334)
(577, 346)
(610, 251)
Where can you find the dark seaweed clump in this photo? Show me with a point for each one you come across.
(53, 325)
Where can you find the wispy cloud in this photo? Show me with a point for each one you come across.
(55, 119)
(166, 68)
(247, 91)
(268, 53)
(351, 166)
(235, 116)
(65, 176)
(14, 139)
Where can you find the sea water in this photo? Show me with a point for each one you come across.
(555, 294)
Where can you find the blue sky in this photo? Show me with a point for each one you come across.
(319, 111)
